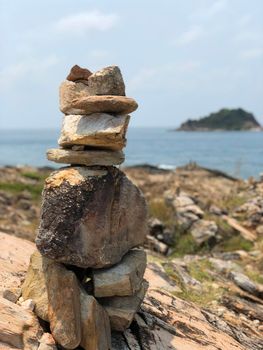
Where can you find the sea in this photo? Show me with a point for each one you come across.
(239, 154)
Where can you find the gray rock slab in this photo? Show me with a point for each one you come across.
(89, 157)
(99, 130)
(123, 279)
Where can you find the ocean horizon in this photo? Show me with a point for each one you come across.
(237, 153)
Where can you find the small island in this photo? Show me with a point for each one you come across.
(225, 120)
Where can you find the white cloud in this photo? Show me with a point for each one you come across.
(189, 36)
(210, 11)
(11, 74)
(99, 54)
(86, 21)
(159, 75)
(252, 53)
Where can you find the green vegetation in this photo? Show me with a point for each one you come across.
(201, 298)
(255, 276)
(185, 244)
(34, 176)
(200, 270)
(235, 242)
(17, 187)
(225, 119)
(159, 209)
(233, 201)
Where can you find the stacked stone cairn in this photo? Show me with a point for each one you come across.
(86, 278)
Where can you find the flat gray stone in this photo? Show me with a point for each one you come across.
(89, 157)
(123, 279)
(98, 130)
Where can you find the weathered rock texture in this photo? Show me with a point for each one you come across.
(19, 328)
(107, 81)
(203, 230)
(95, 324)
(97, 130)
(96, 220)
(123, 279)
(76, 101)
(121, 310)
(34, 286)
(14, 259)
(63, 305)
(87, 157)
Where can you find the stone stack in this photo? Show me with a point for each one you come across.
(87, 276)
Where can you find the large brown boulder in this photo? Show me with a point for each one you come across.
(90, 218)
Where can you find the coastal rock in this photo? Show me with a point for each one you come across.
(47, 342)
(95, 324)
(75, 99)
(246, 284)
(64, 305)
(121, 310)
(19, 328)
(97, 130)
(90, 218)
(14, 260)
(77, 74)
(203, 230)
(107, 81)
(154, 244)
(89, 157)
(34, 286)
(123, 279)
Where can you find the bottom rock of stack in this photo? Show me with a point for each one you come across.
(121, 310)
(76, 317)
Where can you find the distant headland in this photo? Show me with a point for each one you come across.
(225, 119)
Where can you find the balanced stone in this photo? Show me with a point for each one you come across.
(63, 305)
(107, 81)
(95, 324)
(90, 157)
(91, 218)
(123, 279)
(121, 310)
(75, 98)
(34, 286)
(77, 74)
(99, 130)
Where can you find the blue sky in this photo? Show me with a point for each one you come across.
(180, 58)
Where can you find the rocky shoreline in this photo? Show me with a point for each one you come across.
(204, 250)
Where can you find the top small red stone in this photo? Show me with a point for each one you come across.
(78, 73)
